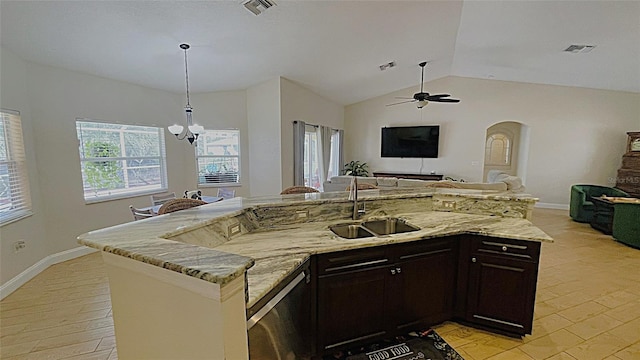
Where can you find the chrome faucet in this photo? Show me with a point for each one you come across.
(353, 195)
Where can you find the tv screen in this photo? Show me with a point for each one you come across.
(410, 141)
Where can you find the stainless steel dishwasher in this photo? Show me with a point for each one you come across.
(279, 325)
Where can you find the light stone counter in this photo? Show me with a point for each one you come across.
(272, 242)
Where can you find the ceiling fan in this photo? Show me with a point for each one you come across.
(422, 98)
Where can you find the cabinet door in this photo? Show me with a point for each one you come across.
(351, 307)
(501, 292)
(422, 288)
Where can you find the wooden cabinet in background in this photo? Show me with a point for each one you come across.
(628, 178)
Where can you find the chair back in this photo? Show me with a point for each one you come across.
(193, 194)
(179, 204)
(159, 199)
(226, 193)
(298, 190)
(139, 214)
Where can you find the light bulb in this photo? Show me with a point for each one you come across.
(422, 104)
(176, 129)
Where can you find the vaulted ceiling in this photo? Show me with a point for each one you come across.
(333, 48)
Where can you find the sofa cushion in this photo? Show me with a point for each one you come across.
(387, 182)
(412, 183)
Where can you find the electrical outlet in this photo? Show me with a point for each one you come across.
(19, 245)
(234, 229)
(450, 205)
(302, 214)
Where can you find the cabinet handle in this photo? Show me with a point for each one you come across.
(398, 270)
(504, 248)
(393, 271)
(473, 260)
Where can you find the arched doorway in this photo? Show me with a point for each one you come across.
(506, 148)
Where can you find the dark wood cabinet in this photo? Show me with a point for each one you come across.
(400, 175)
(372, 293)
(423, 282)
(500, 283)
(368, 294)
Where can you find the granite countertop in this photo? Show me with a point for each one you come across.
(269, 255)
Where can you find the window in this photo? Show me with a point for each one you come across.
(15, 200)
(120, 161)
(218, 157)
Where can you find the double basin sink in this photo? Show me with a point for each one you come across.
(378, 227)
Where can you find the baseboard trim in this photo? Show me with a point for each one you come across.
(552, 206)
(32, 271)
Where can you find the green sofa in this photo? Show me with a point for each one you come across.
(581, 207)
(626, 223)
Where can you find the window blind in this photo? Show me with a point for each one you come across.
(15, 198)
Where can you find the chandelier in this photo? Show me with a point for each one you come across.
(192, 130)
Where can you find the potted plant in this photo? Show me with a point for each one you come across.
(356, 168)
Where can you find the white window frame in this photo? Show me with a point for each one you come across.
(202, 173)
(127, 192)
(11, 139)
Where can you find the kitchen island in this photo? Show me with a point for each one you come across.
(183, 283)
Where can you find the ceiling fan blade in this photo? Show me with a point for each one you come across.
(437, 96)
(402, 102)
(402, 97)
(445, 100)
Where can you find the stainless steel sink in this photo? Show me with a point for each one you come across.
(350, 231)
(371, 228)
(389, 226)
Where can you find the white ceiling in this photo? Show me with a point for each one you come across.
(331, 47)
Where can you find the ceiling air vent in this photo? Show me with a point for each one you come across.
(258, 6)
(386, 66)
(576, 49)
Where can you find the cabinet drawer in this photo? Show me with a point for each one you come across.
(335, 263)
(518, 249)
(423, 248)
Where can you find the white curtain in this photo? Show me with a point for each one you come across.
(298, 152)
(324, 151)
(340, 151)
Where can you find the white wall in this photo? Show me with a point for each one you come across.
(50, 99)
(219, 111)
(576, 135)
(263, 117)
(13, 96)
(299, 103)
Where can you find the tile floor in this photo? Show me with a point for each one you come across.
(587, 306)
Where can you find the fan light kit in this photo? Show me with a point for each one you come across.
(422, 98)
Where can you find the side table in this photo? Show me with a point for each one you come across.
(602, 215)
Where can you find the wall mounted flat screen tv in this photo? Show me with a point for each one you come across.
(410, 141)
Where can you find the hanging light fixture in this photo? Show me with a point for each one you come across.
(193, 130)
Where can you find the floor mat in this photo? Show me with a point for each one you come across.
(427, 345)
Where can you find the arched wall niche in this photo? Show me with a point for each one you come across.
(507, 148)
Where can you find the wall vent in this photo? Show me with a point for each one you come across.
(388, 65)
(257, 7)
(579, 48)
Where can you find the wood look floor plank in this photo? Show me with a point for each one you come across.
(588, 286)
